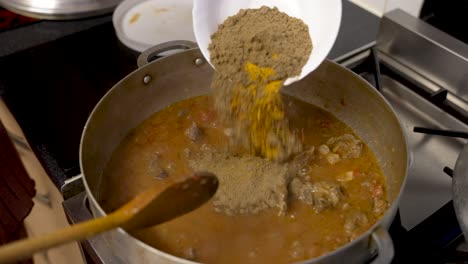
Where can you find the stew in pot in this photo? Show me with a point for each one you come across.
(264, 211)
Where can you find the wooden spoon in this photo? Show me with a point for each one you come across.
(149, 208)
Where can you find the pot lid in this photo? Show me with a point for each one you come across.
(460, 190)
(141, 24)
(60, 9)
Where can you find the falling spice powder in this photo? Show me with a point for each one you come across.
(254, 52)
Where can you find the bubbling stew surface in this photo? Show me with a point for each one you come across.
(329, 194)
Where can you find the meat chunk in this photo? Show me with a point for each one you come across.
(301, 162)
(380, 206)
(332, 158)
(229, 132)
(323, 150)
(379, 197)
(320, 195)
(302, 190)
(325, 153)
(345, 177)
(194, 132)
(347, 146)
(355, 222)
(155, 169)
(326, 195)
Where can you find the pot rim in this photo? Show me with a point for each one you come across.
(390, 212)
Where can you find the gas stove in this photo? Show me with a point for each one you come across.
(433, 110)
(418, 69)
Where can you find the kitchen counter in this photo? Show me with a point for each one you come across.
(52, 73)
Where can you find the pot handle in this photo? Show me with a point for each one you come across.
(385, 251)
(72, 186)
(154, 52)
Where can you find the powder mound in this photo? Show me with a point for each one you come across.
(247, 184)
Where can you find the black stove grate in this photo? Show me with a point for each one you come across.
(441, 132)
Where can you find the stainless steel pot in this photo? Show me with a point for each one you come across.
(157, 84)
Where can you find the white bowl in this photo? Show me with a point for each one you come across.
(323, 17)
(141, 24)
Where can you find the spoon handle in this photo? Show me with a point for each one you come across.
(25, 248)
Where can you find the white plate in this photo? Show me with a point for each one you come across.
(141, 24)
(323, 18)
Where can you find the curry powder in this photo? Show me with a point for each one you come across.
(253, 52)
